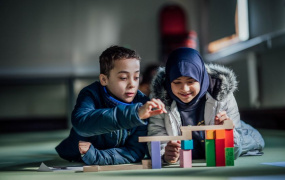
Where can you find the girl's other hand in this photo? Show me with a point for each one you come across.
(172, 149)
(221, 117)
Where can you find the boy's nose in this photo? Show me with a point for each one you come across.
(131, 83)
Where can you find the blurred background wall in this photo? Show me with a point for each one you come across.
(49, 50)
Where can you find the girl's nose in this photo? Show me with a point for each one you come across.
(185, 87)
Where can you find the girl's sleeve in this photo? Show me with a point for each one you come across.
(90, 120)
(156, 127)
(246, 138)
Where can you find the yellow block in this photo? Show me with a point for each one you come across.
(210, 134)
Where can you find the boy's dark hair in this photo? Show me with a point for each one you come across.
(112, 54)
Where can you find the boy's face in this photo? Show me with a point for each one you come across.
(123, 80)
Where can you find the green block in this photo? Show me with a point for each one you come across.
(210, 152)
(187, 144)
(230, 158)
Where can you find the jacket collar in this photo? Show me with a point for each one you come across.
(226, 77)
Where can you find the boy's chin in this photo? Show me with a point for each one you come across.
(129, 99)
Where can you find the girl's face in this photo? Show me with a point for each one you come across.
(185, 88)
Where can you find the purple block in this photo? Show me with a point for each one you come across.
(155, 155)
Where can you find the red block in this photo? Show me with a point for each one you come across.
(220, 152)
(229, 138)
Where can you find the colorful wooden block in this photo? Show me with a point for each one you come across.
(220, 134)
(155, 155)
(210, 152)
(146, 164)
(230, 156)
(229, 138)
(185, 158)
(220, 152)
(210, 134)
(186, 134)
(187, 144)
(96, 168)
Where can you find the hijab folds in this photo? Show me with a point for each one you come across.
(186, 62)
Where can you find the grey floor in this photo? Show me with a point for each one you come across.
(21, 155)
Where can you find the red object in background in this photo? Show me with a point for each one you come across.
(173, 30)
(172, 20)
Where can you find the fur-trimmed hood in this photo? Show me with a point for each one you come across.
(226, 77)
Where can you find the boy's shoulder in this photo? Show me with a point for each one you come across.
(95, 86)
(93, 89)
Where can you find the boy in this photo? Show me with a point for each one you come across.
(109, 115)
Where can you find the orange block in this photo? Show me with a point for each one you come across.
(220, 134)
(210, 134)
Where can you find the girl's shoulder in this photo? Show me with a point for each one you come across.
(222, 81)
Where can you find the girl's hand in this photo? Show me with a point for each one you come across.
(83, 147)
(151, 108)
(171, 154)
(221, 117)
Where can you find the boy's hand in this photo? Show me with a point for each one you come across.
(151, 108)
(171, 154)
(221, 117)
(83, 147)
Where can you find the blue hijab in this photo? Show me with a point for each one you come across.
(186, 62)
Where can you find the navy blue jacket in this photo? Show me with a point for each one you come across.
(113, 130)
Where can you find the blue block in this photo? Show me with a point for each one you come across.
(155, 155)
(187, 144)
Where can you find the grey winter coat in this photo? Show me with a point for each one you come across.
(219, 98)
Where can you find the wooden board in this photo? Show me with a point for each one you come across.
(227, 125)
(161, 138)
(96, 168)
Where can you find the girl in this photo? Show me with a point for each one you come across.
(197, 94)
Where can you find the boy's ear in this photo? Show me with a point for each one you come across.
(103, 79)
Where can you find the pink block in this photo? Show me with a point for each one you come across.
(185, 158)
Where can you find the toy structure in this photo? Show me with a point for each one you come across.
(219, 145)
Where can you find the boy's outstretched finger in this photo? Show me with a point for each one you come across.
(163, 106)
(155, 112)
(160, 104)
(157, 102)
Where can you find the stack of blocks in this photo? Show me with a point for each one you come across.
(219, 147)
(186, 153)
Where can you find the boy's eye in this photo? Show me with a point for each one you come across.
(123, 78)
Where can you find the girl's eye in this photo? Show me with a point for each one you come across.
(122, 78)
(137, 78)
(176, 82)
